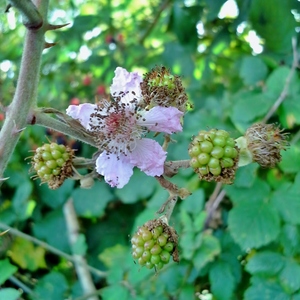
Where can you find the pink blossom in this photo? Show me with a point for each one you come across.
(120, 126)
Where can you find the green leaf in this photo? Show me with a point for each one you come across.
(140, 186)
(80, 246)
(209, 248)
(187, 292)
(115, 291)
(92, 202)
(254, 224)
(266, 289)
(287, 203)
(290, 112)
(53, 229)
(256, 192)
(253, 70)
(194, 203)
(246, 176)
(290, 160)
(265, 263)
(7, 269)
(290, 239)
(9, 294)
(51, 286)
(222, 281)
(27, 256)
(55, 198)
(290, 277)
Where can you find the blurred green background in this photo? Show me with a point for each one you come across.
(234, 58)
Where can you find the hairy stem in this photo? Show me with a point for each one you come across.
(50, 248)
(26, 90)
(47, 121)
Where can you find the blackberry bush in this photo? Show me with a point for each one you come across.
(53, 164)
(154, 243)
(214, 156)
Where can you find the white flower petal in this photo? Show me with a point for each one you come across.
(162, 119)
(116, 171)
(82, 113)
(149, 157)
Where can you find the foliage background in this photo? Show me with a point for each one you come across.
(252, 251)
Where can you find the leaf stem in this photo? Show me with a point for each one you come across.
(50, 248)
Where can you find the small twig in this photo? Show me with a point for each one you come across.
(284, 92)
(31, 16)
(153, 23)
(83, 274)
(166, 142)
(213, 208)
(52, 249)
(21, 285)
(213, 196)
(171, 187)
(171, 167)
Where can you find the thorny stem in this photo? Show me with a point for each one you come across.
(26, 90)
(284, 92)
(83, 274)
(50, 248)
(31, 16)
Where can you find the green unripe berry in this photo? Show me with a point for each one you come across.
(160, 229)
(146, 255)
(47, 156)
(56, 154)
(217, 152)
(165, 256)
(54, 146)
(203, 170)
(149, 244)
(198, 139)
(215, 171)
(155, 233)
(159, 266)
(230, 142)
(141, 261)
(139, 241)
(46, 148)
(155, 250)
(38, 150)
(46, 170)
(169, 247)
(223, 133)
(133, 239)
(139, 251)
(38, 165)
(235, 153)
(65, 156)
(62, 148)
(149, 265)
(206, 146)
(40, 173)
(165, 234)
(51, 164)
(162, 241)
(56, 171)
(228, 151)
(214, 163)
(196, 150)
(203, 158)
(60, 162)
(209, 136)
(155, 259)
(194, 163)
(47, 177)
(227, 162)
(134, 255)
(147, 235)
(219, 141)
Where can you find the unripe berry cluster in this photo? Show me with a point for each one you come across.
(154, 244)
(214, 155)
(52, 162)
(165, 80)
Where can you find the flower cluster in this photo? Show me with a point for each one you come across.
(119, 126)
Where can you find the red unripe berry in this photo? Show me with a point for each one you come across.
(87, 80)
(75, 101)
(101, 90)
(109, 39)
(1, 117)
(120, 37)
